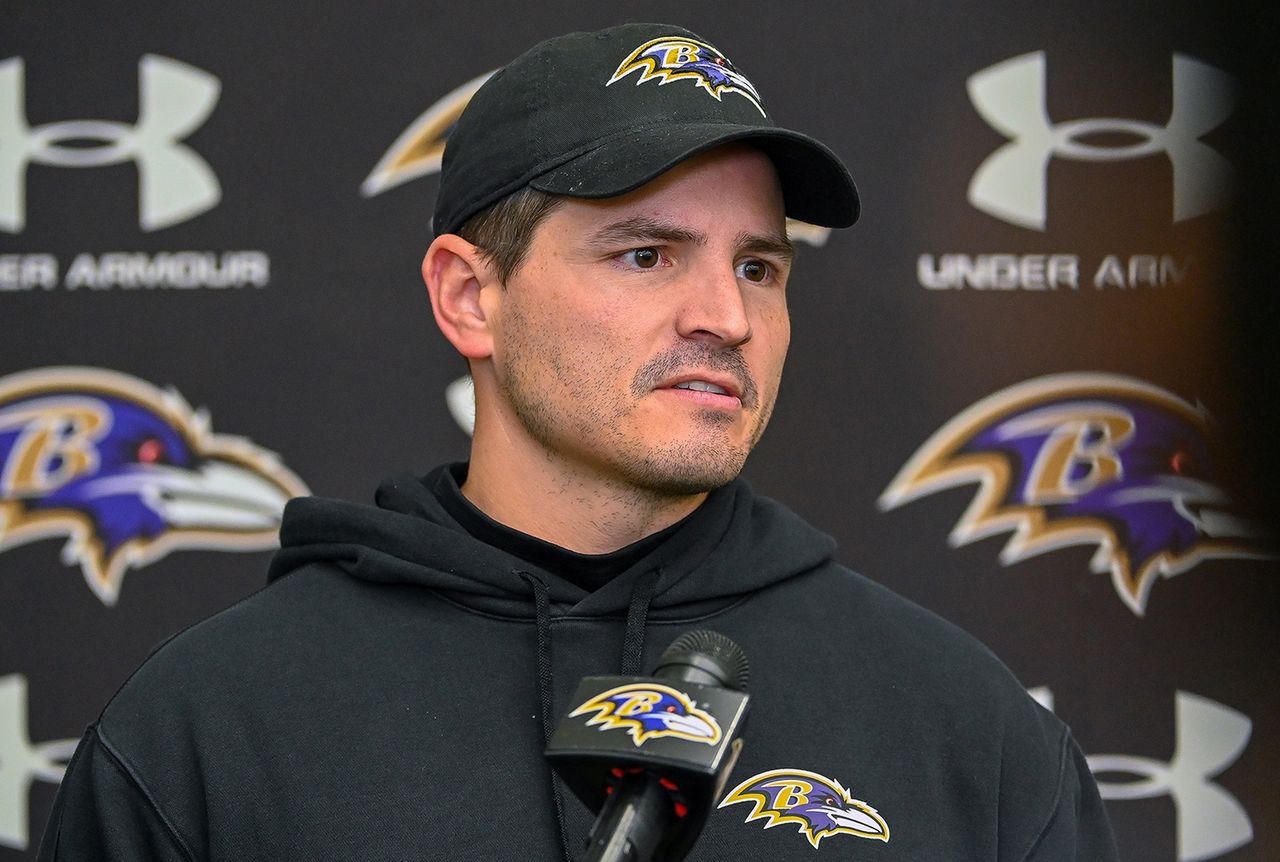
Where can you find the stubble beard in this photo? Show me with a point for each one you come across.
(598, 424)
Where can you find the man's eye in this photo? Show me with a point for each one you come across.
(644, 258)
(754, 270)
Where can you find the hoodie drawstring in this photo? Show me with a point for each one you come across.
(637, 613)
(542, 610)
(632, 651)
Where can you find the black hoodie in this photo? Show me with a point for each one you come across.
(387, 696)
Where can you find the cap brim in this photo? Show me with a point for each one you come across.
(816, 186)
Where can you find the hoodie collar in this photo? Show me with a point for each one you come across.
(734, 544)
(589, 571)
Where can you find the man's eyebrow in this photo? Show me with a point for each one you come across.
(777, 246)
(644, 229)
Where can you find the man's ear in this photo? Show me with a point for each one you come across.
(455, 273)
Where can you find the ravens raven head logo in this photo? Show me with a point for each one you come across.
(649, 711)
(127, 473)
(675, 58)
(1086, 459)
(820, 806)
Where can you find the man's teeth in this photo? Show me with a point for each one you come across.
(701, 386)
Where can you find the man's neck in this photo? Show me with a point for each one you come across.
(567, 506)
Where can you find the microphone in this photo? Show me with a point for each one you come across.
(651, 755)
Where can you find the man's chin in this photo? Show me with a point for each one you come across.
(685, 473)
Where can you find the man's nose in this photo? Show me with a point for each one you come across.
(714, 308)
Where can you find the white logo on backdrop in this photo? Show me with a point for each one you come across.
(22, 763)
(1010, 96)
(174, 182)
(1209, 738)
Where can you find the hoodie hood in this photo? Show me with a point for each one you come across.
(732, 545)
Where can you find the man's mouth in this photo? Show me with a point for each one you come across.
(718, 391)
(701, 386)
(715, 378)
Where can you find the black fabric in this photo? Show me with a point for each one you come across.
(106, 814)
(383, 698)
(587, 571)
(637, 616)
(546, 685)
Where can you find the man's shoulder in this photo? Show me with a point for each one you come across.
(906, 664)
(888, 631)
(238, 647)
(905, 640)
(866, 601)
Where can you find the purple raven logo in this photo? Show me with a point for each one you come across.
(127, 473)
(1086, 459)
(674, 58)
(648, 711)
(820, 806)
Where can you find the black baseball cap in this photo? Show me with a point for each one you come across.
(596, 115)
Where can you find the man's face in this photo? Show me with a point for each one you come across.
(643, 338)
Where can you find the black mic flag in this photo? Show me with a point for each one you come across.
(651, 755)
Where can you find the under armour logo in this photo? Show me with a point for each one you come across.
(174, 183)
(1209, 738)
(21, 762)
(1010, 96)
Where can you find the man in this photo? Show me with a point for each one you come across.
(611, 258)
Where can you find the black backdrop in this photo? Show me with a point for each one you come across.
(300, 323)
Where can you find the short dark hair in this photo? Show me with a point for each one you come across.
(503, 230)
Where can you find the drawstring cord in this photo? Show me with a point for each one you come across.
(542, 610)
(632, 651)
(637, 614)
